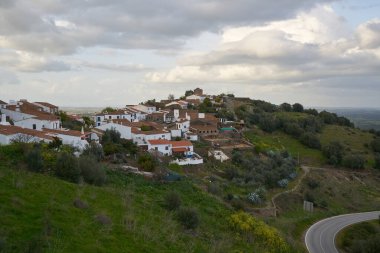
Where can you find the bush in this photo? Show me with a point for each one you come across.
(34, 160)
(91, 171)
(111, 135)
(56, 143)
(334, 152)
(310, 140)
(67, 167)
(297, 107)
(94, 149)
(188, 217)
(172, 201)
(353, 161)
(146, 162)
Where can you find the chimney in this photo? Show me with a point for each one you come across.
(82, 130)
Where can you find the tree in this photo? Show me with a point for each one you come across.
(56, 143)
(111, 136)
(108, 109)
(171, 97)
(67, 167)
(88, 122)
(297, 107)
(189, 93)
(334, 152)
(286, 107)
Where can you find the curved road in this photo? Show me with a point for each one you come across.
(320, 237)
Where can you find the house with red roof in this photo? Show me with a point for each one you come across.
(168, 147)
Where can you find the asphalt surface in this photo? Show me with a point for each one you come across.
(320, 237)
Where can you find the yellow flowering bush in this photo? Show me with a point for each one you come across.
(246, 225)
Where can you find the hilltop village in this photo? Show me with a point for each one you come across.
(166, 128)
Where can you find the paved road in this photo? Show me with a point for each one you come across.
(320, 238)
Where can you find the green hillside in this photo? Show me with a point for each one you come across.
(38, 214)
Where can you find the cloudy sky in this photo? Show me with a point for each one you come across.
(117, 52)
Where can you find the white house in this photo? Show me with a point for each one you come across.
(183, 125)
(143, 108)
(140, 137)
(167, 147)
(124, 130)
(28, 115)
(162, 146)
(106, 117)
(9, 133)
(77, 139)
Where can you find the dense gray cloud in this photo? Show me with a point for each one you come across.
(61, 27)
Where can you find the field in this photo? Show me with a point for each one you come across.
(127, 215)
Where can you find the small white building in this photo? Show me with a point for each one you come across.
(167, 147)
(140, 137)
(218, 155)
(191, 136)
(125, 131)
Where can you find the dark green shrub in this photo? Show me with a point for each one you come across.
(354, 161)
(334, 152)
(188, 217)
(56, 143)
(94, 149)
(91, 171)
(297, 107)
(111, 135)
(310, 140)
(67, 167)
(147, 162)
(172, 201)
(34, 160)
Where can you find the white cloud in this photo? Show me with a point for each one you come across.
(297, 50)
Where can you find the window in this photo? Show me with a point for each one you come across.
(34, 126)
(163, 136)
(98, 118)
(110, 117)
(118, 117)
(156, 148)
(167, 148)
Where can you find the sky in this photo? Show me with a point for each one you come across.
(322, 53)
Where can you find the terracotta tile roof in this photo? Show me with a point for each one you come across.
(36, 111)
(65, 132)
(159, 142)
(183, 143)
(179, 149)
(124, 122)
(47, 104)
(2, 102)
(13, 130)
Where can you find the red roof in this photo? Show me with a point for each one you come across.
(159, 142)
(12, 130)
(183, 143)
(179, 149)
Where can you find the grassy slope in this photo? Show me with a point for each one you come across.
(281, 141)
(344, 192)
(356, 140)
(37, 211)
